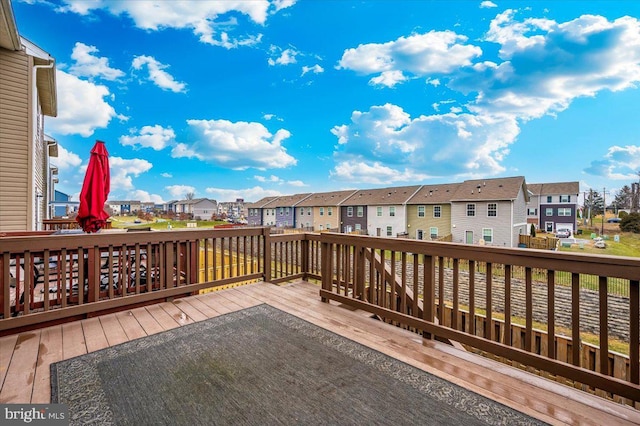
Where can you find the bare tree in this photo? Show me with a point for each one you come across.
(190, 195)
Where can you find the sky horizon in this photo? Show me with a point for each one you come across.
(248, 99)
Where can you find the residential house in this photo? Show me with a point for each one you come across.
(124, 207)
(553, 206)
(429, 212)
(62, 204)
(27, 95)
(285, 209)
(256, 214)
(232, 209)
(321, 211)
(197, 208)
(380, 212)
(490, 211)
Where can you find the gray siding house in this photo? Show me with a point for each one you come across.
(285, 210)
(255, 213)
(490, 211)
(553, 206)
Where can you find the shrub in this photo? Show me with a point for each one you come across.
(533, 230)
(631, 223)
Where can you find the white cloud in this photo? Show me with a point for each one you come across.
(238, 145)
(88, 65)
(282, 57)
(487, 4)
(166, 175)
(207, 19)
(81, 107)
(157, 73)
(271, 178)
(66, 160)
(180, 191)
(155, 137)
(145, 197)
(248, 194)
(620, 163)
(435, 145)
(547, 65)
(124, 170)
(436, 52)
(373, 173)
(316, 69)
(297, 183)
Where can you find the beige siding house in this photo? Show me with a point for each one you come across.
(490, 211)
(429, 212)
(27, 94)
(321, 211)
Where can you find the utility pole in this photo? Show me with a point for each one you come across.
(604, 209)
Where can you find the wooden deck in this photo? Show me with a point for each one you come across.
(25, 358)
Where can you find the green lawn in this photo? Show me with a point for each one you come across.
(629, 244)
(159, 224)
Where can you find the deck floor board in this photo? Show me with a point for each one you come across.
(25, 358)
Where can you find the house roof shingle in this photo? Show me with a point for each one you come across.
(289, 200)
(434, 194)
(554, 188)
(383, 196)
(490, 189)
(320, 199)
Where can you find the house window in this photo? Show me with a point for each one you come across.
(301, 211)
(392, 211)
(566, 211)
(379, 211)
(549, 198)
(532, 212)
(548, 212)
(471, 209)
(329, 211)
(321, 211)
(349, 211)
(358, 227)
(281, 211)
(321, 228)
(437, 211)
(565, 198)
(487, 235)
(360, 211)
(492, 210)
(287, 211)
(309, 211)
(389, 231)
(328, 226)
(420, 211)
(433, 232)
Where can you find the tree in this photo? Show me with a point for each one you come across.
(190, 195)
(631, 223)
(594, 203)
(533, 230)
(623, 198)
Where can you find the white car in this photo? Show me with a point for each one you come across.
(599, 243)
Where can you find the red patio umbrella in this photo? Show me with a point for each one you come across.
(95, 190)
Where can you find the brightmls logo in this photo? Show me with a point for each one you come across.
(36, 414)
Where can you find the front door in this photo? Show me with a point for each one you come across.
(419, 234)
(469, 237)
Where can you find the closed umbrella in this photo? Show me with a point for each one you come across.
(95, 189)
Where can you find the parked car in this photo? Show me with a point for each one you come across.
(599, 243)
(614, 220)
(563, 233)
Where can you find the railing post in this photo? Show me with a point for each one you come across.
(267, 253)
(326, 268)
(304, 246)
(429, 289)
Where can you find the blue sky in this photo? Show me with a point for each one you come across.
(248, 99)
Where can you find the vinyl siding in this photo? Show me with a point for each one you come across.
(14, 142)
(415, 223)
(397, 222)
(325, 219)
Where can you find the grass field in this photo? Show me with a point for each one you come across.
(128, 222)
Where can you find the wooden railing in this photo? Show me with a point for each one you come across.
(398, 280)
(467, 294)
(49, 278)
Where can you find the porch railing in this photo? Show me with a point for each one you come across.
(471, 295)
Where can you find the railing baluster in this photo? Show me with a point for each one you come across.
(429, 286)
(508, 334)
(393, 302)
(634, 331)
(416, 289)
(528, 337)
(576, 342)
(28, 282)
(551, 309)
(488, 326)
(604, 321)
(62, 283)
(403, 289)
(6, 289)
(440, 289)
(472, 297)
(45, 279)
(456, 293)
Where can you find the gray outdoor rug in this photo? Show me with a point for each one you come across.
(260, 366)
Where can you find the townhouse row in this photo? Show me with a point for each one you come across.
(485, 211)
